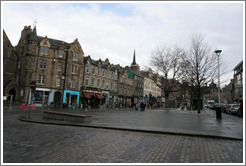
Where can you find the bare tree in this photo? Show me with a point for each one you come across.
(200, 67)
(167, 63)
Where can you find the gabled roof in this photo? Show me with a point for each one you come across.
(54, 43)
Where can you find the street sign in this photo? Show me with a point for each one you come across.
(33, 85)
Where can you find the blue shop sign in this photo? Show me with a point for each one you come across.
(73, 97)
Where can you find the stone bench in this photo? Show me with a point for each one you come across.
(66, 116)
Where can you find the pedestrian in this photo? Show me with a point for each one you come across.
(136, 106)
(141, 106)
(144, 105)
(151, 105)
(148, 105)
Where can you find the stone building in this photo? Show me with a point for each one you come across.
(150, 87)
(99, 83)
(56, 67)
(11, 89)
(126, 87)
(238, 82)
(138, 81)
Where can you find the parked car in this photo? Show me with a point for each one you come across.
(233, 109)
(224, 107)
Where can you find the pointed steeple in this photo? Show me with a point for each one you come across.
(134, 66)
(134, 59)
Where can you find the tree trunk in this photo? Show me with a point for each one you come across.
(198, 102)
(167, 103)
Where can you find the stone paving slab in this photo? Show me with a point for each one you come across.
(171, 121)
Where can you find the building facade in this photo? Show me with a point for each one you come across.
(138, 82)
(125, 87)
(54, 65)
(11, 90)
(238, 82)
(150, 87)
(99, 83)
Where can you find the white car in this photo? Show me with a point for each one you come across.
(233, 109)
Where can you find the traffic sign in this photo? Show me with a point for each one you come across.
(33, 85)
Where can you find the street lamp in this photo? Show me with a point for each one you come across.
(218, 52)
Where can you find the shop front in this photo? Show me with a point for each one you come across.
(41, 97)
(92, 99)
(70, 98)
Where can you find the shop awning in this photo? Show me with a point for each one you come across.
(87, 95)
(99, 96)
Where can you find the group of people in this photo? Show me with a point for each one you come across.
(143, 105)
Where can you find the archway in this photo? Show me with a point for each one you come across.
(12, 92)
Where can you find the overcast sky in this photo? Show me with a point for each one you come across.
(115, 30)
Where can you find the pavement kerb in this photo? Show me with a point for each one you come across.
(66, 123)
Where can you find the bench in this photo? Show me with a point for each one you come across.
(66, 116)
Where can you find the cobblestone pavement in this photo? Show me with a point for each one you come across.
(39, 143)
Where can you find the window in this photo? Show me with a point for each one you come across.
(103, 73)
(115, 74)
(88, 67)
(93, 70)
(41, 79)
(92, 82)
(87, 81)
(61, 53)
(112, 75)
(74, 68)
(43, 64)
(107, 85)
(111, 87)
(58, 81)
(59, 66)
(75, 56)
(44, 50)
(99, 71)
(73, 83)
(108, 73)
(103, 82)
(98, 83)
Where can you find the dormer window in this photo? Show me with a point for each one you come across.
(44, 50)
(61, 53)
(88, 67)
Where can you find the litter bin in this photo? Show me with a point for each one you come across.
(218, 112)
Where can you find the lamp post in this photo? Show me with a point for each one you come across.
(218, 52)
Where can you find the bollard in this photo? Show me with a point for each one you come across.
(218, 112)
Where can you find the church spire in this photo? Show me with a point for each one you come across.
(134, 59)
(134, 66)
